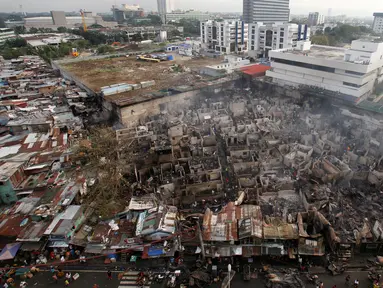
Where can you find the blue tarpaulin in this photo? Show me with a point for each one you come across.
(153, 251)
(9, 251)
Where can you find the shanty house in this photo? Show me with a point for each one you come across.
(157, 223)
(279, 237)
(232, 223)
(64, 225)
(12, 174)
(311, 240)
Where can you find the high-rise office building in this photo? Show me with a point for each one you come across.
(315, 18)
(163, 7)
(377, 26)
(266, 11)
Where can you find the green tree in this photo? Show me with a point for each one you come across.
(11, 53)
(16, 43)
(33, 30)
(64, 49)
(191, 26)
(320, 40)
(62, 29)
(136, 37)
(81, 44)
(20, 30)
(15, 17)
(2, 23)
(155, 19)
(104, 49)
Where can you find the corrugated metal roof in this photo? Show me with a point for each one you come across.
(33, 231)
(63, 219)
(10, 150)
(278, 229)
(256, 69)
(10, 225)
(223, 226)
(161, 219)
(8, 169)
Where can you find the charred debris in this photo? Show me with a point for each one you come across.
(261, 175)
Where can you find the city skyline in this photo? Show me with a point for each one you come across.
(296, 6)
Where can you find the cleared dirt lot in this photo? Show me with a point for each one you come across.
(103, 72)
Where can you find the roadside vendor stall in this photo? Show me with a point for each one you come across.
(9, 251)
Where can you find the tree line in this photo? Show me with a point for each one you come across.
(340, 35)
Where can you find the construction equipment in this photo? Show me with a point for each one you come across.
(83, 20)
(74, 52)
(148, 59)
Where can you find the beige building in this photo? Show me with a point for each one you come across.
(58, 19)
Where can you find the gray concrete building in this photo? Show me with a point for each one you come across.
(266, 11)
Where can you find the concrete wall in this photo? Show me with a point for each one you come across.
(69, 76)
(131, 115)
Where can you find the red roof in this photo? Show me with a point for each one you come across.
(255, 69)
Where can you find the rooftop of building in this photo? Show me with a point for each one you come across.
(96, 74)
(325, 52)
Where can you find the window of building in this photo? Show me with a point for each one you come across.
(353, 85)
(269, 37)
(354, 73)
(281, 40)
(305, 65)
(282, 34)
(282, 29)
(280, 46)
(252, 42)
(252, 48)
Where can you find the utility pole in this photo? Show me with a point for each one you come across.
(201, 241)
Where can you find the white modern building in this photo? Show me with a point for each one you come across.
(6, 33)
(315, 18)
(377, 25)
(266, 11)
(266, 37)
(349, 74)
(177, 15)
(228, 66)
(225, 36)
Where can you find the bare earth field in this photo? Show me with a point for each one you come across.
(103, 72)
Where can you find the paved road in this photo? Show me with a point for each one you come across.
(88, 279)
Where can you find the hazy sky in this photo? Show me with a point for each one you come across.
(360, 8)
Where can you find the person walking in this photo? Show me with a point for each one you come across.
(109, 274)
(348, 278)
(66, 283)
(356, 283)
(321, 285)
(68, 275)
(55, 278)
